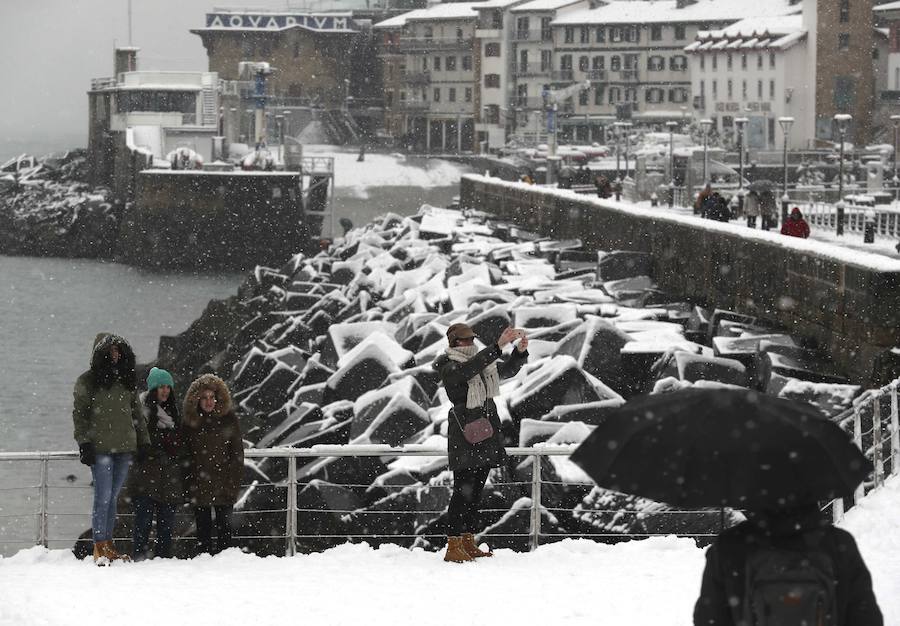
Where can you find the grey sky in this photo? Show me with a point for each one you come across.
(52, 48)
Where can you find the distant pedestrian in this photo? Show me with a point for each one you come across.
(786, 567)
(701, 198)
(795, 225)
(566, 177)
(768, 209)
(604, 187)
(155, 482)
(214, 459)
(109, 429)
(715, 207)
(751, 208)
(475, 444)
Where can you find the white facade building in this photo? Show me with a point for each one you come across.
(757, 69)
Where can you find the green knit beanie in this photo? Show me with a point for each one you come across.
(157, 378)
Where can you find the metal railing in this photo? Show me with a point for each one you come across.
(415, 44)
(885, 219)
(416, 78)
(545, 35)
(879, 438)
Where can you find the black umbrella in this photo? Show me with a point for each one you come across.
(722, 447)
(761, 186)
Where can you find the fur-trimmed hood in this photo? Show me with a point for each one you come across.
(191, 413)
(103, 371)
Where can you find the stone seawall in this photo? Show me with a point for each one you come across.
(848, 302)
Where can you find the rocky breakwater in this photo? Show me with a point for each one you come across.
(337, 349)
(48, 209)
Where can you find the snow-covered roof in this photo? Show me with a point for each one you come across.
(754, 33)
(890, 6)
(445, 11)
(496, 4)
(543, 5)
(666, 11)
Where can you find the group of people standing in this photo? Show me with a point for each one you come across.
(168, 454)
(712, 205)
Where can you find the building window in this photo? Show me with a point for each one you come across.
(679, 32)
(451, 64)
(729, 61)
(844, 92)
(615, 63)
(702, 62)
(655, 34)
(631, 94)
(715, 89)
(598, 96)
(615, 95)
(546, 31)
(492, 81)
(584, 64)
(678, 63)
(744, 61)
(771, 130)
(702, 88)
(451, 94)
(497, 19)
(678, 95)
(585, 34)
(875, 52)
(844, 41)
(633, 34)
(468, 94)
(467, 63)
(759, 90)
(599, 63)
(715, 61)
(772, 60)
(730, 90)
(437, 63)
(565, 62)
(429, 32)
(615, 34)
(546, 60)
(845, 11)
(583, 98)
(570, 34)
(656, 63)
(771, 90)
(492, 49)
(743, 89)
(654, 95)
(437, 94)
(424, 64)
(759, 62)
(492, 113)
(600, 35)
(459, 34)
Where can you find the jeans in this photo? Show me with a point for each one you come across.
(144, 509)
(462, 514)
(109, 472)
(203, 519)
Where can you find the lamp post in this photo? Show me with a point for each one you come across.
(785, 123)
(896, 121)
(627, 126)
(671, 125)
(740, 122)
(618, 132)
(842, 120)
(706, 124)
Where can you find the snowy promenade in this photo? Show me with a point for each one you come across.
(652, 582)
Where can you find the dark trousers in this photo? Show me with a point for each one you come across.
(203, 518)
(751, 221)
(144, 510)
(462, 514)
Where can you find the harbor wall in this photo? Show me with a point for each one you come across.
(212, 220)
(846, 303)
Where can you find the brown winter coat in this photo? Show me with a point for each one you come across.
(213, 446)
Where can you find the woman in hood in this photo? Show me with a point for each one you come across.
(109, 429)
(155, 482)
(472, 380)
(215, 459)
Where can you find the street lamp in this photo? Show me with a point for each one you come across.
(706, 124)
(627, 127)
(842, 120)
(896, 120)
(741, 122)
(618, 132)
(671, 125)
(785, 123)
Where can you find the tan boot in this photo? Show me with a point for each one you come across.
(471, 548)
(456, 553)
(109, 550)
(100, 557)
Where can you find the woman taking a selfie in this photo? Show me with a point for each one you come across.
(475, 445)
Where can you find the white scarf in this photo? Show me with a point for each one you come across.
(479, 390)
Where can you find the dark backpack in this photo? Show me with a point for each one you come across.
(790, 588)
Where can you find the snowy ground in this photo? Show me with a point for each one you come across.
(652, 582)
(380, 170)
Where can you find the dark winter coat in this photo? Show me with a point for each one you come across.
(213, 446)
(724, 576)
(106, 412)
(161, 474)
(715, 207)
(795, 225)
(455, 377)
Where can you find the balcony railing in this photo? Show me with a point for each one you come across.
(531, 69)
(429, 45)
(416, 78)
(562, 75)
(596, 75)
(414, 105)
(629, 75)
(524, 102)
(533, 35)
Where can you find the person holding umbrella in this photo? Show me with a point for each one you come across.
(475, 445)
(774, 458)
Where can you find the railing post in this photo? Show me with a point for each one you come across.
(876, 442)
(895, 433)
(535, 501)
(291, 522)
(43, 539)
(860, 491)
